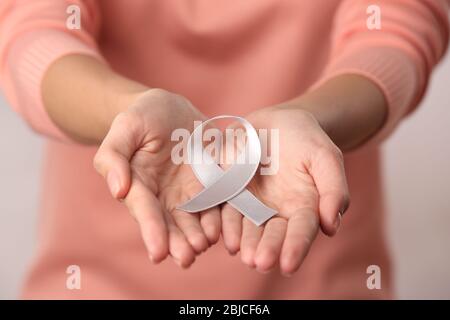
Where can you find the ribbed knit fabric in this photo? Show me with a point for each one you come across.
(391, 70)
(30, 57)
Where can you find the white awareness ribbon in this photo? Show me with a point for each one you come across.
(230, 185)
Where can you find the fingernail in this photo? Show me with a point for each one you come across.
(113, 183)
(337, 222)
(264, 271)
(344, 209)
(177, 261)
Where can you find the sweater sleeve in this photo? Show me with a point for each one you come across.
(398, 57)
(33, 34)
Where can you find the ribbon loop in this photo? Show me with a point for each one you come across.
(226, 186)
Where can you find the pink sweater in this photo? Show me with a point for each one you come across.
(227, 57)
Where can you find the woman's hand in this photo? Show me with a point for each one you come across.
(309, 190)
(135, 159)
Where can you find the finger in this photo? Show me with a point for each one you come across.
(114, 154)
(147, 211)
(231, 228)
(269, 248)
(301, 231)
(211, 224)
(251, 234)
(328, 173)
(189, 224)
(179, 247)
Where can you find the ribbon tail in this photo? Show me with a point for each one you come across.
(256, 211)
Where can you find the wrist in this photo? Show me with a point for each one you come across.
(84, 104)
(349, 108)
(120, 93)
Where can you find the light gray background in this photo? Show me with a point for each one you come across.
(417, 176)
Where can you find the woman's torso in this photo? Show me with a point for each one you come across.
(227, 59)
